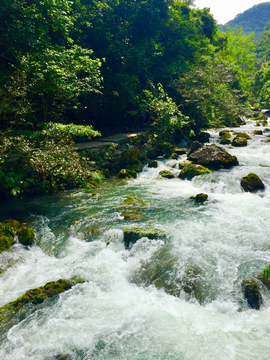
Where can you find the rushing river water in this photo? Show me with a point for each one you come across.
(118, 312)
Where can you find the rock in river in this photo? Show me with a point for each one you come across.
(252, 183)
(213, 157)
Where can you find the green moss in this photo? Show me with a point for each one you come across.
(133, 202)
(225, 134)
(6, 241)
(14, 224)
(257, 132)
(166, 174)
(36, 296)
(26, 236)
(174, 156)
(131, 235)
(192, 170)
(127, 174)
(242, 135)
(252, 183)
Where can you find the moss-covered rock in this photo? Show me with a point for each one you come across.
(257, 132)
(127, 174)
(36, 296)
(192, 170)
(132, 235)
(26, 235)
(183, 164)
(135, 165)
(239, 141)
(252, 183)
(152, 164)
(225, 134)
(200, 198)
(213, 157)
(252, 293)
(264, 123)
(242, 135)
(166, 174)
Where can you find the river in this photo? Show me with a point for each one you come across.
(118, 312)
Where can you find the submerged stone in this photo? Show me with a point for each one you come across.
(213, 157)
(252, 183)
(192, 282)
(131, 201)
(252, 293)
(192, 170)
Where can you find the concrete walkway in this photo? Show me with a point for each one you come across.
(118, 138)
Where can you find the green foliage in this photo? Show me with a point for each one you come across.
(165, 116)
(211, 99)
(266, 272)
(261, 86)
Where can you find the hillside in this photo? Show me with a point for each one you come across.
(251, 20)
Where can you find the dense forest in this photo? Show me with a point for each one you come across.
(252, 20)
(69, 67)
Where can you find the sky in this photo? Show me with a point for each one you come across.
(224, 11)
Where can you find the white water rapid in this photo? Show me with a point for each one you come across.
(118, 312)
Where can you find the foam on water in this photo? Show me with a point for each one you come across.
(116, 313)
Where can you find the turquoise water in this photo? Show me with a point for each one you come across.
(132, 304)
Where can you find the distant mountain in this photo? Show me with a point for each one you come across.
(251, 20)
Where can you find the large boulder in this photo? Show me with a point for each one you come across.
(192, 170)
(239, 141)
(195, 146)
(252, 183)
(213, 157)
(252, 293)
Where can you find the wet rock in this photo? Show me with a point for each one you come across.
(225, 134)
(242, 135)
(252, 183)
(257, 132)
(213, 157)
(225, 141)
(183, 164)
(152, 164)
(252, 293)
(195, 146)
(203, 137)
(179, 151)
(26, 235)
(239, 141)
(166, 174)
(200, 198)
(132, 235)
(127, 174)
(6, 241)
(192, 170)
(174, 156)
